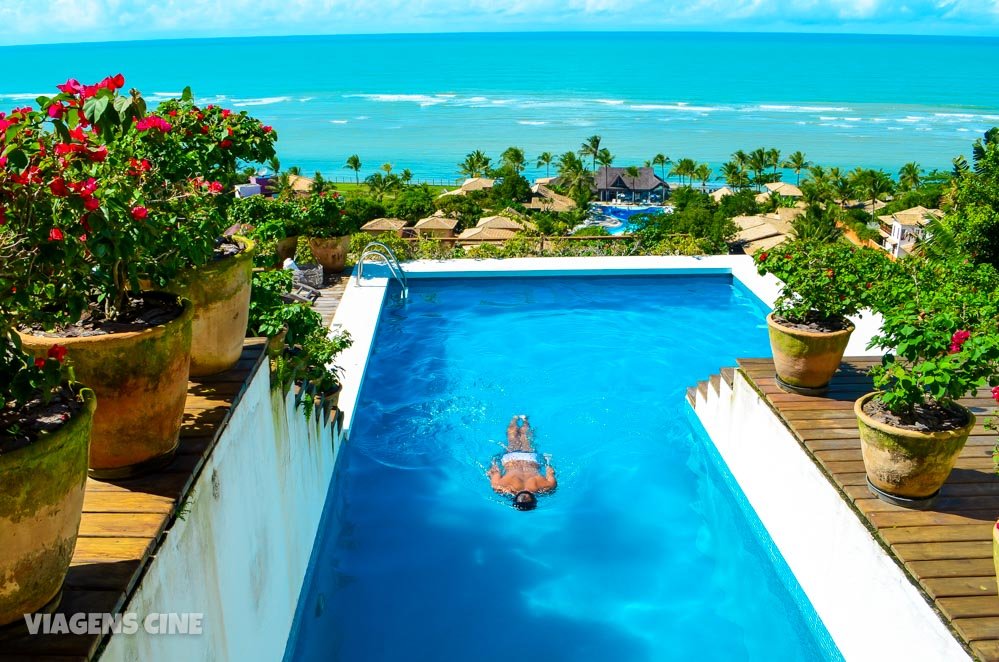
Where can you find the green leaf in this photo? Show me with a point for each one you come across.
(187, 95)
(17, 158)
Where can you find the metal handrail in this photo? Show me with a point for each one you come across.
(377, 249)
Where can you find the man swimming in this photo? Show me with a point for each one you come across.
(521, 473)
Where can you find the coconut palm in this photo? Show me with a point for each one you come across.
(703, 174)
(387, 169)
(734, 174)
(660, 160)
(576, 178)
(605, 158)
(475, 164)
(758, 161)
(909, 176)
(513, 157)
(545, 159)
(406, 176)
(354, 163)
(816, 224)
(797, 163)
(740, 158)
(634, 173)
(591, 148)
(377, 184)
(871, 185)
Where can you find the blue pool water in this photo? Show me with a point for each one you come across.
(644, 553)
(624, 215)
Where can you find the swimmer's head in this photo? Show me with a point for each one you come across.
(525, 500)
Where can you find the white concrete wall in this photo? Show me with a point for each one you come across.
(240, 555)
(868, 604)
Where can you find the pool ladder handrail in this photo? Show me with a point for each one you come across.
(376, 249)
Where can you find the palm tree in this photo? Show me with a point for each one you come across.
(475, 164)
(513, 157)
(633, 172)
(407, 176)
(734, 174)
(660, 160)
(797, 163)
(591, 148)
(684, 168)
(354, 163)
(377, 185)
(773, 160)
(909, 176)
(703, 174)
(871, 185)
(816, 224)
(545, 159)
(387, 168)
(577, 180)
(605, 158)
(740, 158)
(757, 161)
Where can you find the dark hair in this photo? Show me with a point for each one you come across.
(525, 500)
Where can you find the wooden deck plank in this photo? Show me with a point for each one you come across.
(947, 550)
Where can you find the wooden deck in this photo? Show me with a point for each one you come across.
(947, 551)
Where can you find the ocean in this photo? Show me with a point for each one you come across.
(424, 101)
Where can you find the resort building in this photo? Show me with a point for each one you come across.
(440, 227)
(615, 184)
(470, 185)
(482, 235)
(718, 194)
(900, 231)
(783, 189)
(545, 199)
(382, 225)
(502, 223)
(764, 231)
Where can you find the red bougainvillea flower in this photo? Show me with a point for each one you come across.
(71, 86)
(153, 122)
(139, 212)
(215, 187)
(268, 129)
(39, 362)
(90, 203)
(58, 187)
(204, 129)
(55, 234)
(99, 154)
(3, 217)
(995, 396)
(56, 110)
(225, 144)
(57, 352)
(763, 256)
(957, 340)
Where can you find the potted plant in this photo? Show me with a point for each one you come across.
(941, 335)
(268, 310)
(822, 284)
(45, 424)
(195, 166)
(271, 222)
(71, 174)
(329, 227)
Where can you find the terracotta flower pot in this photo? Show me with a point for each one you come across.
(806, 360)
(41, 501)
(220, 293)
(331, 252)
(286, 248)
(140, 378)
(907, 463)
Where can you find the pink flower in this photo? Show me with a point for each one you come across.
(957, 340)
(215, 187)
(71, 86)
(995, 396)
(55, 234)
(56, 110)
(139, 213)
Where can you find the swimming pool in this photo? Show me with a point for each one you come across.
(646, 551)
(623, 216)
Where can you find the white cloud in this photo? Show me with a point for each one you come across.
(95, 20)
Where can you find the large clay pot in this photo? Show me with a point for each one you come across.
(286, 248)
(806, 360)
(140, 378)
(906, 463)
(220, 293)
(331, 253)
(41, 501)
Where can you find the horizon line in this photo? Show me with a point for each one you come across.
(816, 33)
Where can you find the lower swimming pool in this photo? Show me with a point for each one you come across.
(647, 551)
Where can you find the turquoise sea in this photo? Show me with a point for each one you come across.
(423, 101)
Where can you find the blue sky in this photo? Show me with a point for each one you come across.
(45, 21)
